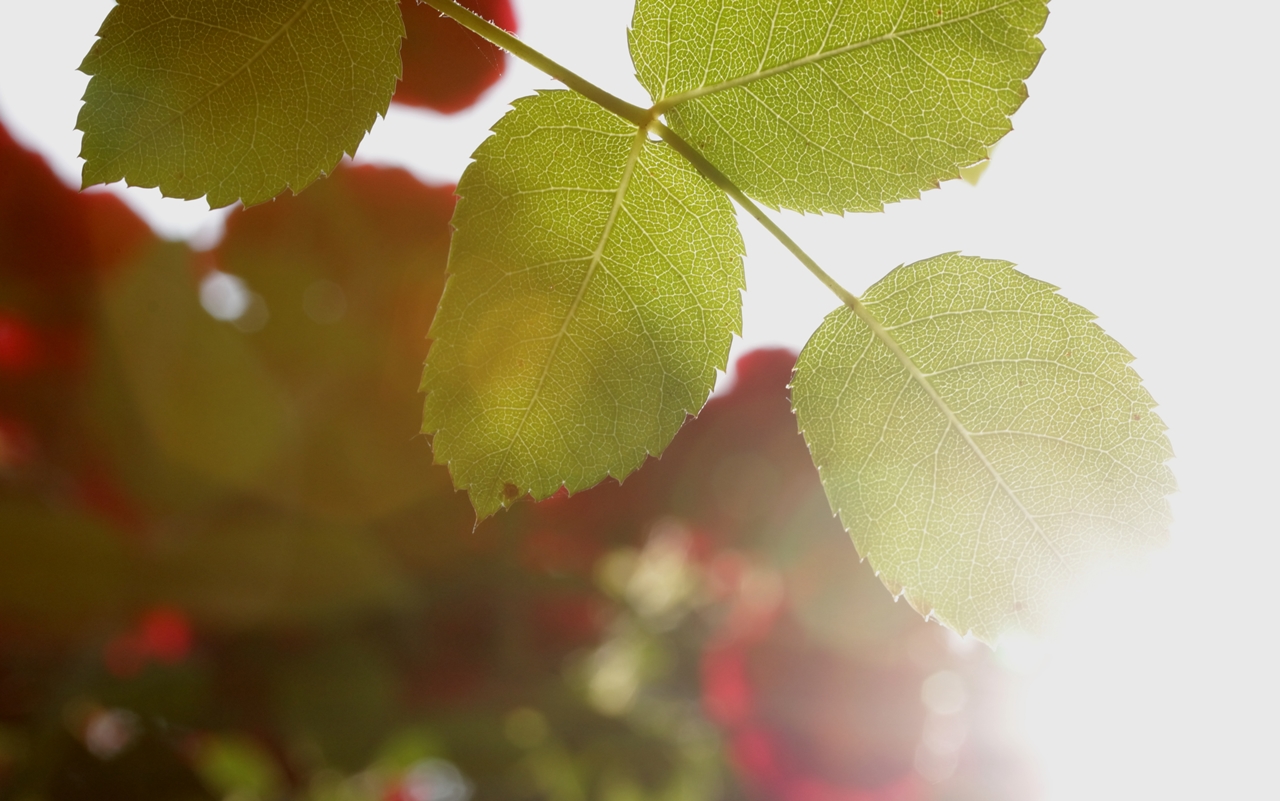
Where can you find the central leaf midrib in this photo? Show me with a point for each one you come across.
(637, 146)
(266, 45)
(668, 103)
(882, 334)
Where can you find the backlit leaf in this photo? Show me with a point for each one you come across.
(982, 440)
(594, 284)
(838, 105)
(235, 99)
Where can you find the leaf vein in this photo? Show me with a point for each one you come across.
(743, 80)
(266, 45)
(625, 182)
(896, 349)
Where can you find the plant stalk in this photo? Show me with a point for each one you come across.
(715, 176)
(492, 33)
(646, 119)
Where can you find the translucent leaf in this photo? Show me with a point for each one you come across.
(838, 105)
(594, 284)
(982, 440)
(235, 99)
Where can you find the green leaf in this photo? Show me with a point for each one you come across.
(595, 281)
(982, 440)
(839, 105)
(235, 99)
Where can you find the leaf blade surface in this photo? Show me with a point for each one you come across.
(982, 440)
(594, 284)
(235, 99)
(838, 106)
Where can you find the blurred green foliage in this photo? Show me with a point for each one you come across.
(229, 569)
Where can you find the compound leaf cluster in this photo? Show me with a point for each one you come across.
(235, 99)
(983, 440)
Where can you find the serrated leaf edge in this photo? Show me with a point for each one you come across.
(915, 599)
(104, 174)
(639, 142)
(666, 103)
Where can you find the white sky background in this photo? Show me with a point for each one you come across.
(1137, 179)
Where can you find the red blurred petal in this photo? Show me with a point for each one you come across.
(51, 234)
(397, 791)
(559, 551)
(726, 691)
(447, 67)
(17, 444)
(115, 233)
(754, 751)
(166, 635)
(566, 622)
(101, 494)
(19, 346)
(124, 656)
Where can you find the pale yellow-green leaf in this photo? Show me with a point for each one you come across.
(838, 105)
(594, 286)
(235, 99)
(982, 440)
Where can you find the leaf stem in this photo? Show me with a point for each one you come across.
(713, 174)
(492, 33)
(645, 119)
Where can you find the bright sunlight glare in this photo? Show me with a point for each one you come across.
(1150, 692)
